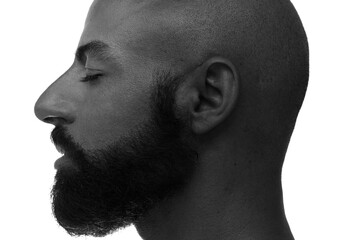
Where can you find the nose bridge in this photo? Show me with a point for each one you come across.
(58, 101)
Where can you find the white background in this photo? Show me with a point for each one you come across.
(38, 40)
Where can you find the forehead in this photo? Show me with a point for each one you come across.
(140, 28)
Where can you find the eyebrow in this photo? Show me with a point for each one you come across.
(96, 49)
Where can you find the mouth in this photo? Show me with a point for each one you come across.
(60, 162)
(60, 150)
(64, 162)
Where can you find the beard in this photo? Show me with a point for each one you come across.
(110, 188)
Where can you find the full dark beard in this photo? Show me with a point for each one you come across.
(114, 187)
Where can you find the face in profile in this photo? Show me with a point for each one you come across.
(173, 110)
(126, 144)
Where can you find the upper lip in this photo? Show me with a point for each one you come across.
(60, 149)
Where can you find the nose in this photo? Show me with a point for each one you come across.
(56, 105)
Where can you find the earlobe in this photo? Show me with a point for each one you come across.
(218, 92)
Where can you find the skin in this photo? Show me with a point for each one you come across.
(242, 94)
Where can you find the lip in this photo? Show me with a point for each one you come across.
(59, 149)
(58, 162)
(65, 162)
(62, 162)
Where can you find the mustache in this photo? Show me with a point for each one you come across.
(62, 139)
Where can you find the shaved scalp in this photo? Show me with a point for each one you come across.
(263, 39)
(266, 42)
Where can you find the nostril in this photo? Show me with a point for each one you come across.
(54, 120)
(49, 119)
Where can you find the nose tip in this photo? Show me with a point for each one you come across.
(51, 111)
(38, 110)
(41, 112)
(57, 104)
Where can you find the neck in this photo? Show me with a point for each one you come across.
(214, 205)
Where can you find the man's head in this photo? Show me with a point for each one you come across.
(157, 83)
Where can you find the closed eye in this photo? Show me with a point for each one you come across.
(93, 77)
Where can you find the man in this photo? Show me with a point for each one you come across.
(176, 116)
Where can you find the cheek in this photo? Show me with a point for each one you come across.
(110, 112)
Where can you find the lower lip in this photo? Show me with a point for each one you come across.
(62, 162)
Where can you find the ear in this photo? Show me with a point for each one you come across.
(211, 93)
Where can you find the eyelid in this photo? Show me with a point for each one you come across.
(91, 77)
(92, 71)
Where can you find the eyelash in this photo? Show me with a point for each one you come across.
(90, 78)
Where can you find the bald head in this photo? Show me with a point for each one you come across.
(266, 42)
(178, 108)
(263, 39)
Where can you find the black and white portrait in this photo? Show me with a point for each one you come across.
(169, 120)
